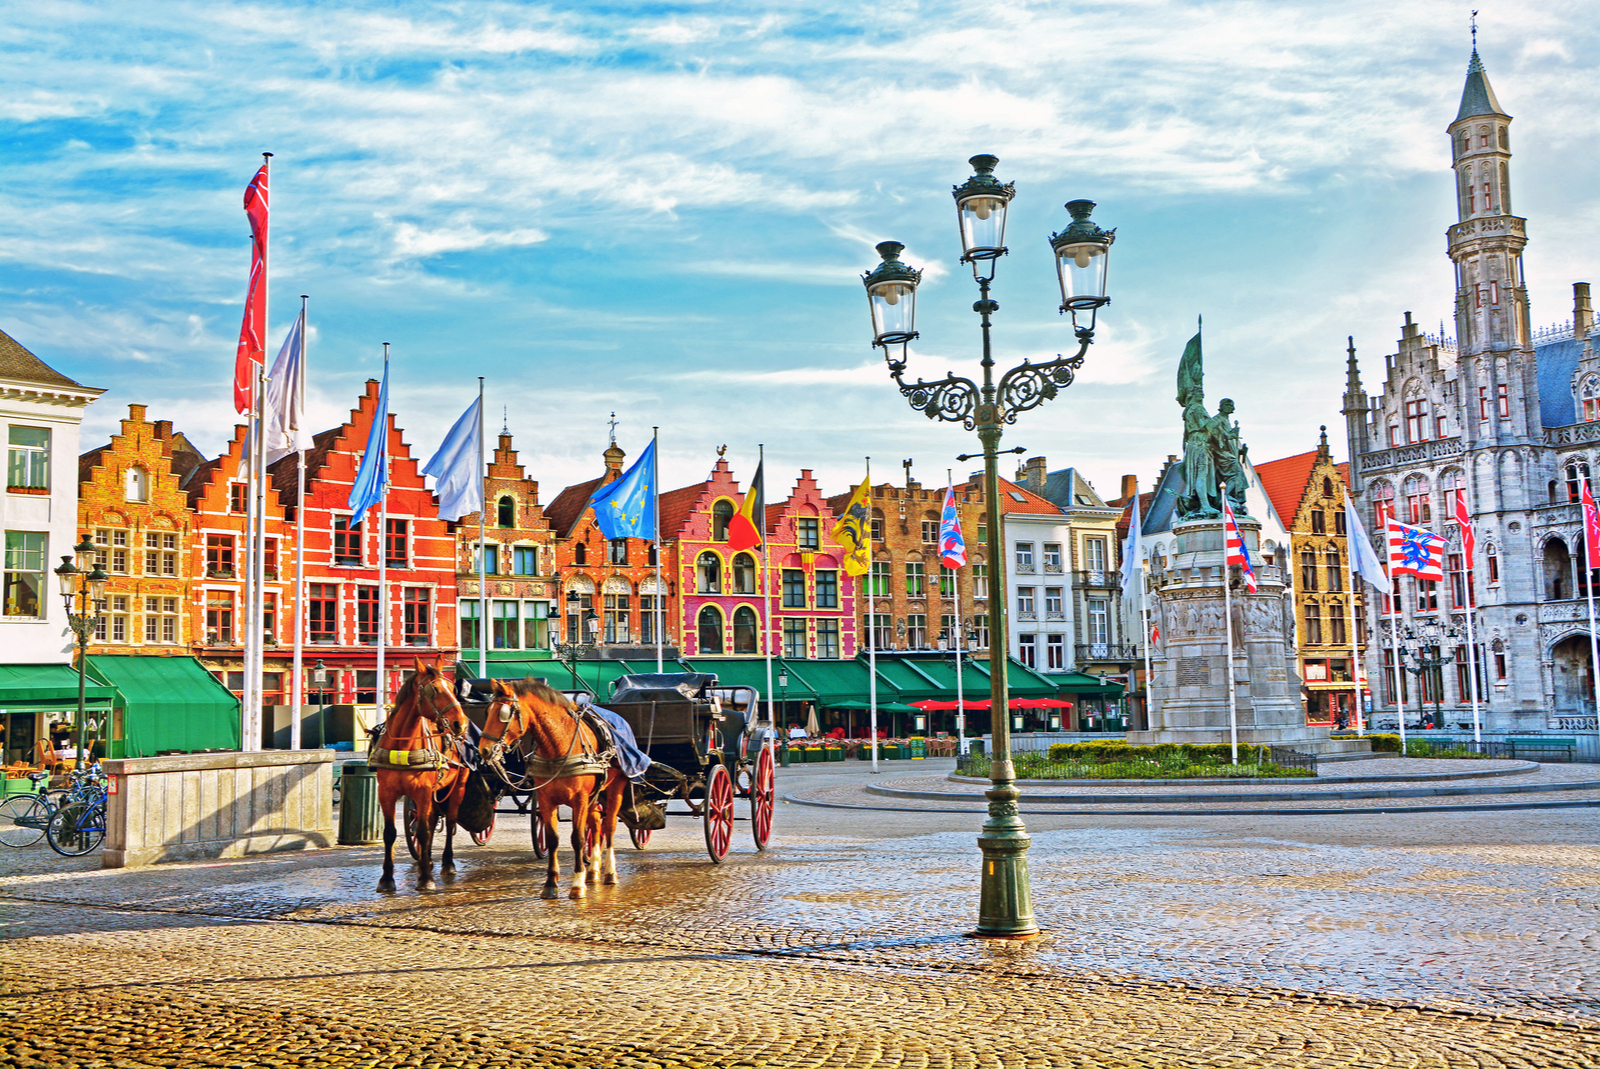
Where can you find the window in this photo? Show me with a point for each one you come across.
(710, 630)
(1054, 653)
(1577, 474)
(346, 541)
(324, 615)
(708, 570)
(1499, 665)
(1417, 421)
(506, 511)
(721, 517)
(237, 501)
(916, 631)
(504, 625)
(880, 631)
(1503, 401)
(269, 617)
(877, 528)
(947, 581)
(809, 533)
(580, 553)
(744, 574)
(1392, 694)
(1052, 556)
(155, 562)
(1025, 601)
(490, 553)
(119, 552)
(916, 580)
(1336, 628)
(1483, 402)
(269, 557)
(649, 605)
(525, 560)
(827, 589)
(1419, 506)
(1308, 570)
(136, 484)
(219, 556)
(1433, 678)
(1052, 602)
(1441, 428)
(949, 638)
(652, 555)
(28, 462)
(878, 584)
(930, 532)
(617, 551)
(467, 612)
(1494, 564)
(983, 534)
(1099, 623)
(219, 617)
(616, 607)
(366, 686)
(828, 639)
(1338, 522)
(1462, 596)
(1319, 522)
(1028, 650)
(1094, 554)
(396, 548)
(1394, 434)
(1327, 486)
(584, 604)
(118, 617)
(744, 630)
(980, 625)
(794, 639)
(1591, 409)
(1335, 571)
(1024, 551)
(24, 582)
(367, 614)
(1464, 672)
(152, 619)
(169, 620)
(980, 581)
(1382, 505)
(1427, 595)
(1313, 635)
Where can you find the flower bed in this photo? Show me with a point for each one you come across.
(1115, 759)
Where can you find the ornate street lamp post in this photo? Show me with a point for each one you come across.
(1415, 650)
(1005, 905)
(88, 586)
(578, 645)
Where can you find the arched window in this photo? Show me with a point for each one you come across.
(1419, 506)
(138, 486)
(710, 629)
(744, 575)
(1557, 566)
(721, 516)
(744, 630)
(1335, 571)
(1452, 484)
(580, 554)
(1327, 486)
(1493, 560)
(1382, 504)
(708, 569)
(1577, 475)
(507, 511)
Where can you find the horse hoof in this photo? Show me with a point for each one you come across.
(427, 885)
(448, 871)
(386, 885)
(576, 893)
(609, 880)
(548, 893)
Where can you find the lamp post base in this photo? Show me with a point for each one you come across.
(1005, 900)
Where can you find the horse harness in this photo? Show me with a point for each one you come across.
(568, 765)
(430, 758)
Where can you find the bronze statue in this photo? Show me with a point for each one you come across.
(1213, 455)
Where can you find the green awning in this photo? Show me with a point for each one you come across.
(550, 670)
(883, 707)
(908, 682)
(49, 686)
(830, 681)
(1083, 683)
(1021, 681)
(752, 672)
(974, 683)
(169, 703)
(597, 676)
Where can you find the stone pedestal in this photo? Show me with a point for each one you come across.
(1190, 692)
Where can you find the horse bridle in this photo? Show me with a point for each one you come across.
(504, 719)
(433, 712)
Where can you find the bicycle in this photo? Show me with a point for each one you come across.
(79, 826)
(23, 816)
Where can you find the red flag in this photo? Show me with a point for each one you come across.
(1237, 553)
(1591, 527)
(253, 331)
(1415, 550)
(1464, 520)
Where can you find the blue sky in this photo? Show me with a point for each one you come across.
(663, 209)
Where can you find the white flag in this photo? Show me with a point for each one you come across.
(285, 409)
(1130, 549)
(1363, 561)
(458, 468)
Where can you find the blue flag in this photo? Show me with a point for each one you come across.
(458, 467)
(627, 507)
(369, 486)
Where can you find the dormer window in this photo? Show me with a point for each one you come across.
(506, 511)
(138, 485)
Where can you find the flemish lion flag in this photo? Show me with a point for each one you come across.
(745, 532)
(854, 532)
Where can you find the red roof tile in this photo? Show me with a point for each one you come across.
(566, 510)
(1285, 482)
(676, 506)
(1031, 504)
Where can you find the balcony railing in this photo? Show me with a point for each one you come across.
(1099, 578)
(1025, 569)
(1107, 651)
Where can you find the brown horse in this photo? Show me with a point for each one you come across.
(415, 759)
(563, 767)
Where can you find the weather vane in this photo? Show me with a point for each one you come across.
(1474, 31)
(613, 426)
(722, 450)
(505, 419)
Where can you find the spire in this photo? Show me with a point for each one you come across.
(1352, 373)
(1477, 97)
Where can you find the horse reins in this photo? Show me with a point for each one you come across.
(500, 745)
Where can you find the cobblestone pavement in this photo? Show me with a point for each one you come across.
(1454, 939)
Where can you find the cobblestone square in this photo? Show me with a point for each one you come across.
(1221, 938)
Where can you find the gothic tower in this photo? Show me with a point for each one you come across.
(1499, 399)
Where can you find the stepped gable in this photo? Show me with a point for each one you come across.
(1285, 481)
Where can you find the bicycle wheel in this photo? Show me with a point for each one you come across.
(22, 819)
(76, 828)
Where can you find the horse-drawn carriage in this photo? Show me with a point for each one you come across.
(700, 746)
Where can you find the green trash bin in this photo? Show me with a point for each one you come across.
(359, 819)
(891, 752)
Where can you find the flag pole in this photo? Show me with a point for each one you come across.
(1144, 618)
(766, 577)
(383, 542)
(1472, 643)
(660, 600)
(1227, 616)
(1399, 668)
(1594, 652)
(1355, 639)
(960, 640)
(247, 568)
(259, 466)
(297, 688)
(872, 646)
(483, 585)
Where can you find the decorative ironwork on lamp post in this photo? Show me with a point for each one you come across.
(1415, 649)
(574, 650)
(1082, 249)
(87, 586)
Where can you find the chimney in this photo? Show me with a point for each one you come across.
(1032, 474)
(1582, 311)
(163, 429)
(136, 412)
(1130, 486)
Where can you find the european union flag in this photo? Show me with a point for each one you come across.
(627, 507)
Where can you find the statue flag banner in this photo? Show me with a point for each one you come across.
(748, 524)
(952, 547)
(1237, 553)
(627, 508)
(253, 331)
(853, 532)
(1415, 551)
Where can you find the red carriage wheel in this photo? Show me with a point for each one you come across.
(763, 796)
(482, 837)
(408, 823)
(640, 837)
(541, 838)
(719, 812)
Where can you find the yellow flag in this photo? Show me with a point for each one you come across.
(854, 532)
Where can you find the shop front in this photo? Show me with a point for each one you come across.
(34, 698)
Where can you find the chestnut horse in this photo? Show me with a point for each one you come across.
(416, 759)
(564, 764)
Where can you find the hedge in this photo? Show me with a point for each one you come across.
(1111, 750)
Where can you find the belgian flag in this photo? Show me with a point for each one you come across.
(746, 529)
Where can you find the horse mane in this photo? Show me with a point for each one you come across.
(538, 688)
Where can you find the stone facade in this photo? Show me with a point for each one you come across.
(1510, 416)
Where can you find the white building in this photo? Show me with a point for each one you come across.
(1038, 580)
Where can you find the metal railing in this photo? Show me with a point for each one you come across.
(1107, 651)
(1285, 757)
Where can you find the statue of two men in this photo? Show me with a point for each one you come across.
(1213, 454)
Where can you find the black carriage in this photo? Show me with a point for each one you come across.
(702, 750)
